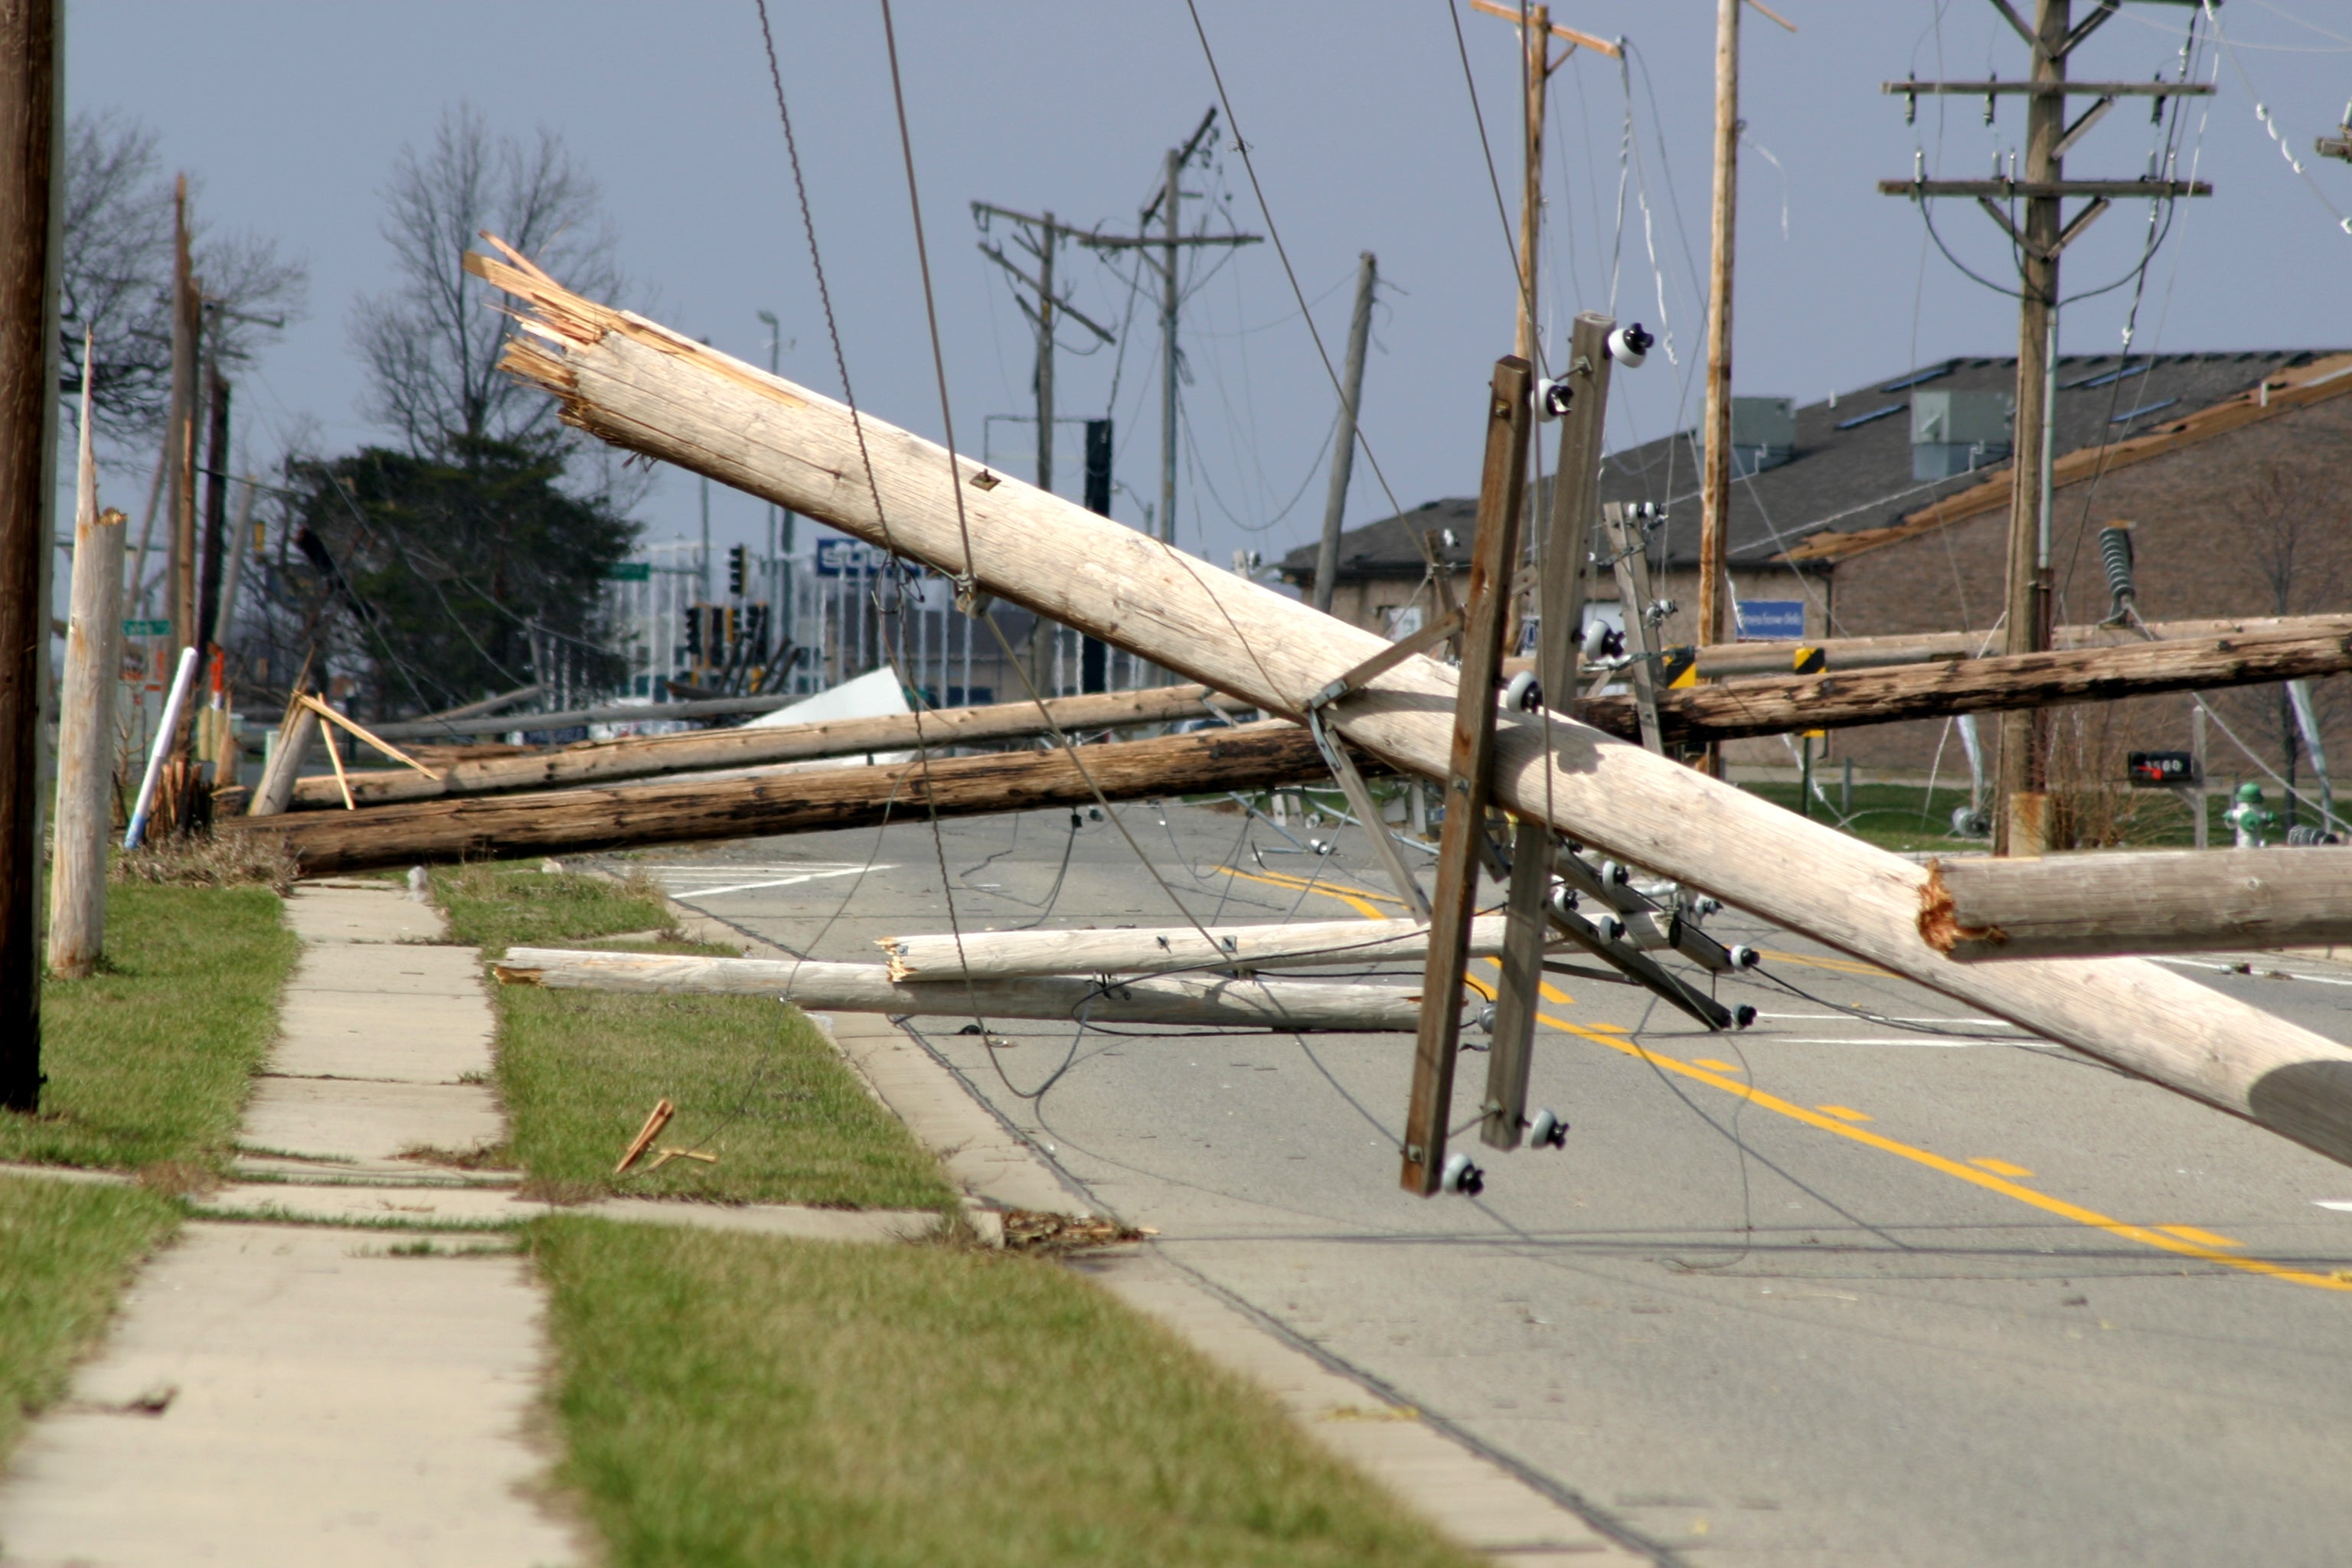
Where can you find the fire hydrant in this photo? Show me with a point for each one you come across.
(2250, 819)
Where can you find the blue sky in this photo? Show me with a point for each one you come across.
(1363, 129)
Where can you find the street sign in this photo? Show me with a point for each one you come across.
(1770, 620)
(630, 571)
(147, 628)
(2159, 770)
(849, 558)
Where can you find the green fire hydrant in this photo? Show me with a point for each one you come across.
(2250, 819)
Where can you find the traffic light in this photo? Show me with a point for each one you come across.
(736, 562)
(693, 632)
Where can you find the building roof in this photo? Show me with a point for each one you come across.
(1849, 486)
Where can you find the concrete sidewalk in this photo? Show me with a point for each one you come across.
(273, 1393)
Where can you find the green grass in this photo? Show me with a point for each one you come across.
(495, 906)
(736, 1400)
(754, 1082)
(1903, 817)
(66, 1248)
(148, 1061)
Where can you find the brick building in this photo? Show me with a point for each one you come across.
(1886, 510)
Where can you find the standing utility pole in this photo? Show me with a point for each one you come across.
(1040, 236)
(208, 581)
(29, 33)
(2019, 819)
(1168, 242)
(1715, 485)
(1536, 30)
(187, 326)
(1343, 441)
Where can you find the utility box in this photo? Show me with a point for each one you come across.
(1955, 432)
(1763, 433)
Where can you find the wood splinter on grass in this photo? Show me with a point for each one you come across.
(662, 1113)
(666, 1154)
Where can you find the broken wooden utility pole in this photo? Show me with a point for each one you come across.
(655, 756)
(1784, 705)
(1578, 398)
(2018, 814)
(631, 382)
(1250, 756)
(1785, 657)
(1469, 775)
(2164, 901)
(1343, 439)
(30, 200)
(1187, 1000)
(85, 809)
(1009, 955)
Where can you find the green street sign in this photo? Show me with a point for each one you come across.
(631, 572)
(146, 628)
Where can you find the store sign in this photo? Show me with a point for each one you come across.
(1771, 620)
(2158, 769)
(849, 558)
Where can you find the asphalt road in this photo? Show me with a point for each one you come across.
(1832, 1290)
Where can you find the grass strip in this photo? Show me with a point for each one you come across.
(741, 1400)
(754, 1082)
(149, 1061)
(66, 1248)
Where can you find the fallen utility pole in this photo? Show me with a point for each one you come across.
(1788, 657)
(2168, 901)
(1251, 756)
(453, 726)
(1190, 999)
(651, 756)
(628, 381)
(1005, 954)
(1564, 552)
(1468, 777)
(2010, 682)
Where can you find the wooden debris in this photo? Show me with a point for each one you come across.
(1779, 657)
(1006, 955)
(1691, 715)
(1250, 756)
(1186, 999)
(2166, 902)
(641, 386)
(651, 756)
(663, 1111)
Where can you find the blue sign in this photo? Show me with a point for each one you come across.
(849, 558)
(1771, 620)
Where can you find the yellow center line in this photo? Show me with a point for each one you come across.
(2147, 1236)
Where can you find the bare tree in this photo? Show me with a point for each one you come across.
(116, 276)
(431, 345)
(2287, 541)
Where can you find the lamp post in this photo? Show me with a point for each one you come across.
(776, 516)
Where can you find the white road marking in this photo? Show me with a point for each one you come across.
(1942, 1040)
(2251, 973)
(2341, 1205)
(1841, 1018)
(695, 894)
